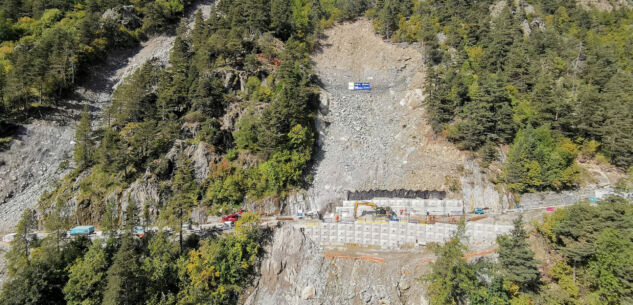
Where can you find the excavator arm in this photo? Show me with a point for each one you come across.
(359, 203)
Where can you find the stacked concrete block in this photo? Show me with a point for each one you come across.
(396, 234)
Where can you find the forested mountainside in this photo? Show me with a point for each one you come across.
(582, 258)
(48, 45)
(549, 78)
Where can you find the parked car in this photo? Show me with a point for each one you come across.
(479, 211)
(550, 209)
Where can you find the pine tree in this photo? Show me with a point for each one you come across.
(110, 220)
(199, 33)
(389, 17)
(185, 196)
(84, 147)
(280, 18)
(18, 255)
(125, 280)
(175, 84)
(451, 279)
(611, 271)
(131, 215)
(57, 222)
(516, 259)
(87, 277)
(162, 273)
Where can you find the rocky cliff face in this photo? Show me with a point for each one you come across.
(479, 192)
(296, 271)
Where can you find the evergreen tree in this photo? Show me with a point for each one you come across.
(516, 259)
(501, 40)
(537, 162)
(131, 215)
(57, 222)
(175, 84)
(125, 280)
(185, 196)
(280, 18)
(87, 277)
(84, 147)
(611, 273)
(451, 278)
(110, 220)
(24, 241)
(162, 273)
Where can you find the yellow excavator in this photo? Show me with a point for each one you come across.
(380, 211)
(359, 203)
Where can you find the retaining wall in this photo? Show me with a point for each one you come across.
(396, 234)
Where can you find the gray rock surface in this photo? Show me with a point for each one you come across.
(200, 157)
(3, 263)
(479, 192)
(296, 271)
(376, 139)
(30, 166)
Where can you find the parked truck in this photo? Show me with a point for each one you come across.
(82, 230)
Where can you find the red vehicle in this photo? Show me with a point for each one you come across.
(232, 217)
(550, 209)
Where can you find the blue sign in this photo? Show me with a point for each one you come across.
(362, 86)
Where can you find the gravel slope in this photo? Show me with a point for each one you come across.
(378, 139)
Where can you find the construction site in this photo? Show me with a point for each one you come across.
(399, 222)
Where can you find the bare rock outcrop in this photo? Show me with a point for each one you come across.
(145, 191)
(479, 192)
(124, 15)
(296, 271)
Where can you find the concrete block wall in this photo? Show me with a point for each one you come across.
(395, 234)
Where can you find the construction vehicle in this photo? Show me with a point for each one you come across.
(359, 203)
(386, 212)
(312, 214)
(380, 211)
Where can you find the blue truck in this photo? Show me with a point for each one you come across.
(82, 230)
(479, 211)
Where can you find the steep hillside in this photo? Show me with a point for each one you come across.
(377, 139)
(42, 150)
